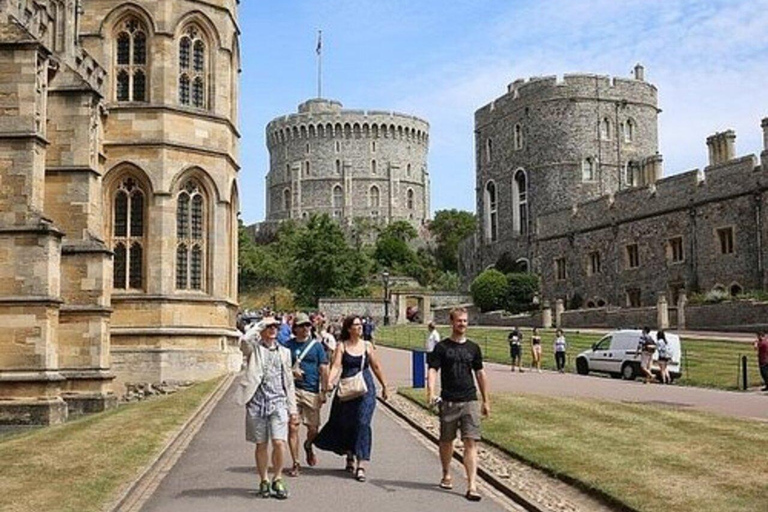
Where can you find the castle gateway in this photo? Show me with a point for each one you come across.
(569, 186)
(119, 202)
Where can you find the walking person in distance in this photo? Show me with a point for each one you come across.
(536, 350)
(456, 359)
(515, 341)
(560, 347)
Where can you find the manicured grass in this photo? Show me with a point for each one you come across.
(80, 466)
(651, 458)
(705, 363)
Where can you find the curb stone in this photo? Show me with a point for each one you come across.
(133, 497)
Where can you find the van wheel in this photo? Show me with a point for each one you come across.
(628, 371)
(582, 367)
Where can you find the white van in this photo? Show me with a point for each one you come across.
(617, 354)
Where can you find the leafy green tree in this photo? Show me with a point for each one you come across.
(401, 230)
(489, 290)
(522, 287)
(324, 264)
(450, 227)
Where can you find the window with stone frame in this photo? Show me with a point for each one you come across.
(374, 197)
(130, 69)
(561, 270)
(606, 129)
(725, 240)
(306, 168)
(128, 235)
(594, 264)
(488, 150)
(409, 200)
(491, 212)
(337, 197)
(373, 167)
(287, 199)
(520, 199)
(191, 229)
(338, 166)
(193, 68)
(634, 298)
(628, 130)
(633, 256)
(675, 252)
(517, 134)
(589, 169)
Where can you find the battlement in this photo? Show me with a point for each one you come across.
(327, 118)
(739, 176)
(523, 92)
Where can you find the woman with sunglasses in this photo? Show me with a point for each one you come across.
(348, 430)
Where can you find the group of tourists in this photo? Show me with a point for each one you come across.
(287, 379)
(516, 343)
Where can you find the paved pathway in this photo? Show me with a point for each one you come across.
(216, 472)
(397, 365)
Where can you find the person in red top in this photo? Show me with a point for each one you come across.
(761, 345)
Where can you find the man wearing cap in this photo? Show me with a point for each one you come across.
(310, 373)
(267, 391)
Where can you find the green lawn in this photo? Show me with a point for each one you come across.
(79, 466)
(705, 363)
(651, 458)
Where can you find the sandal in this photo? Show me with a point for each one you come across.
(473, 496)
(295, 470)
(360, 474)
(446, 483)
(350, 467)
(311, 458)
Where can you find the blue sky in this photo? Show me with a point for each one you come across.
(441, 60)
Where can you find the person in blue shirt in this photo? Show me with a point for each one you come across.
(284, 331)
(310, 374)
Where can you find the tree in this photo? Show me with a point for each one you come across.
(323, 262)
(450, 227)
(522, 287)
(489, 290)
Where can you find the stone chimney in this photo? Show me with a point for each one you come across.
(639, 72)
(722, 147)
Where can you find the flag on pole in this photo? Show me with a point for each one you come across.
(319, 42)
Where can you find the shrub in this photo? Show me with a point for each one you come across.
(489, 290)
(522, 287)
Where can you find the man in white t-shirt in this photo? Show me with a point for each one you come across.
(433, 338)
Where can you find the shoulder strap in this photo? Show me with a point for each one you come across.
(305, 351)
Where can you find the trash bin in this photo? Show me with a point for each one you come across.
(418, 368)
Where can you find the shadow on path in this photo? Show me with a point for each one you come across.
(218, 492)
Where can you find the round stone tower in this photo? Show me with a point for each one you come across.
(347, 164)
(550, 143)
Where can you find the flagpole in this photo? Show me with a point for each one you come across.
(319, 64)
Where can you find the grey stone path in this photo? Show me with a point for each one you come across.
(216, 472)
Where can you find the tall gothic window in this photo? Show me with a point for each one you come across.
(192, 66)
(131, 61)
(491, 212)
(190, 237)
(409, 199)
(338, 197)
(374, 198)
(128, 235)
(520, 200)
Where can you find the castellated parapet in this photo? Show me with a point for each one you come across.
(347, 164)
(554, 142)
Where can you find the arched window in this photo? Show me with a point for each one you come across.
(373, 166)
(338, 166)
(408, 170)
(374, 197)
(192, 69)
(409, 199)
(338, 197)
(286, 199)
(128, 235)
(518, 137)
(190, 237)
(131, 61)
(629, 130)
(520, 203)
(491, 212)
(488, 150)
(588, 169)
(605, 129)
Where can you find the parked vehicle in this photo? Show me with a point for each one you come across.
(616, 354)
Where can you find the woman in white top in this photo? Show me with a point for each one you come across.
(433, 338)
(560, 346)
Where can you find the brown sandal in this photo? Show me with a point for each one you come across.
(295, 470)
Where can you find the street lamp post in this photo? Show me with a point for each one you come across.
(385, 278)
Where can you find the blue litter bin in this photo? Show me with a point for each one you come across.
(418, 368)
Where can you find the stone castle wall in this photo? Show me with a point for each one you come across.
(324, 147)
